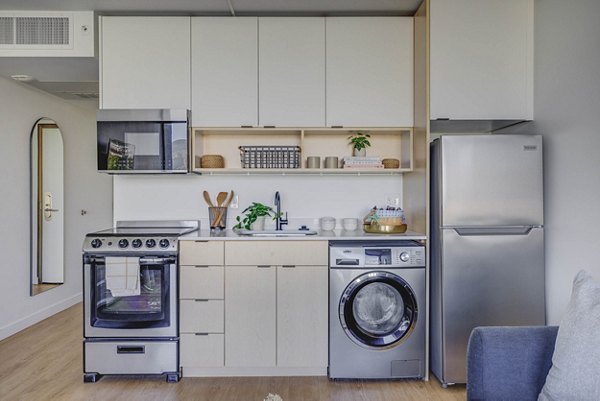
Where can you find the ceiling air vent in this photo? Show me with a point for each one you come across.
(42, 31)
(46, 34)
(7, 31)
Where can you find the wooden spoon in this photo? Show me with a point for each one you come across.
(207, 199)
(221, 197)
(225, 206)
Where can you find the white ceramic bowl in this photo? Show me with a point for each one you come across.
(350, 224)
(327, 223)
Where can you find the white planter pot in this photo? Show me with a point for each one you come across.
(359, 153)
(259, 224)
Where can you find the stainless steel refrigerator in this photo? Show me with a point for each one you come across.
(487, 241)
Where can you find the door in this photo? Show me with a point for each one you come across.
(51, 218)
(370, 71)
(378, 309)
(145, 63)
(488, 279)
(491, 180)
(224, 71)
(250, 331)
(302, 316)
(291, 71)
(151, 312)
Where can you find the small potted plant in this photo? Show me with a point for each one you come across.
(254, 217)
(360, 142)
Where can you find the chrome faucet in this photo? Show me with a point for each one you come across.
(279, 221)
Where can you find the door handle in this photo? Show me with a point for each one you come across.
(508, 230)
(48, 209)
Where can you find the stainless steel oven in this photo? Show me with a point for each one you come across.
(130, 288)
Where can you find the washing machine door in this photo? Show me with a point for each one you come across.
(378, 309)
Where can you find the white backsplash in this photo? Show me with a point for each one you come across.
(304, 197)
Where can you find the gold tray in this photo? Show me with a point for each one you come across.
(383, 229)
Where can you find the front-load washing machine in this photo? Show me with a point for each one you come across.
(376, 309)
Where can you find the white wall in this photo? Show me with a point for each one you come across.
(567, 113)
(303, 197)
(20, 108)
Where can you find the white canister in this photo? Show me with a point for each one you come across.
(327, 223)
(350, 224)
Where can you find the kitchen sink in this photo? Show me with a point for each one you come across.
(276, 233)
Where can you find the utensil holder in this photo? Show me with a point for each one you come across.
(217, 216)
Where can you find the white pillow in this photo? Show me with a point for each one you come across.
(575, 372)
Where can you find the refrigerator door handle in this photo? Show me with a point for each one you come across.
(505, 230)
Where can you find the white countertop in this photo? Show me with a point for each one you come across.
(337, 235)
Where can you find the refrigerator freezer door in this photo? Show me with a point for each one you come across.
(491, 180)
(487, 280)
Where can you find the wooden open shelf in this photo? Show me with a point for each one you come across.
(323, 142)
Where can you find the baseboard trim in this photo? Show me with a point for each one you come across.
(271, 371)
(38, 316)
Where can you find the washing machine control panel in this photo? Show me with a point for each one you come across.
(368, 256)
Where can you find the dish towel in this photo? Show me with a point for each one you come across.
(123, 276)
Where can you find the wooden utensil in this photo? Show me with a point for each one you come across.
(225, 206)
(207, 199)
(221, 197)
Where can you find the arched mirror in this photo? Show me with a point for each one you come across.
(47, 207)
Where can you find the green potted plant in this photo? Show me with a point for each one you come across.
(254, 217)
(360, 142)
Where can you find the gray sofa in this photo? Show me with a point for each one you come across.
(509, 363)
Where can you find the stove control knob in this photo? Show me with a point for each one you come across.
(404, 256)
(150, 243)
(96, 243)
(164, 243)
(136, 243)
(123, 243)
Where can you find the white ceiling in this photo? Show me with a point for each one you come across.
(66, 74)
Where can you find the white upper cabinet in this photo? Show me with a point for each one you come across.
(291, 71)
(370, 71)
(224, 71)
(481, 64)
(145, 62)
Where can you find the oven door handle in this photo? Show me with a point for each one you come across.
(143, 261)
(157, 261)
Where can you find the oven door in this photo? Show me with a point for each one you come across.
(152, 313)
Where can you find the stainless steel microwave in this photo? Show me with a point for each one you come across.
(143, 141)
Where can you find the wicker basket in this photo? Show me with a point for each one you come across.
(391, 163)
(212, 161)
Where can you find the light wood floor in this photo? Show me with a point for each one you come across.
(44, 362)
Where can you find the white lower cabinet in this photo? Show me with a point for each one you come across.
(201, 305)
(250, 316)
(201, 350)
(270, 319)
(302, 316)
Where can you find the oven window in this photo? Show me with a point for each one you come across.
(148, 309)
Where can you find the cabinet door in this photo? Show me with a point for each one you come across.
(224, 71)
(250, 316)
(302, 303)
(370, 71)
(291, 71)
(481, 59)
(201, 253)
(145, 62)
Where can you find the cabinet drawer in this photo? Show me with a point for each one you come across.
(201, 253)
(276, 253)
(202, 350)
(201, 282)
(202, 316)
